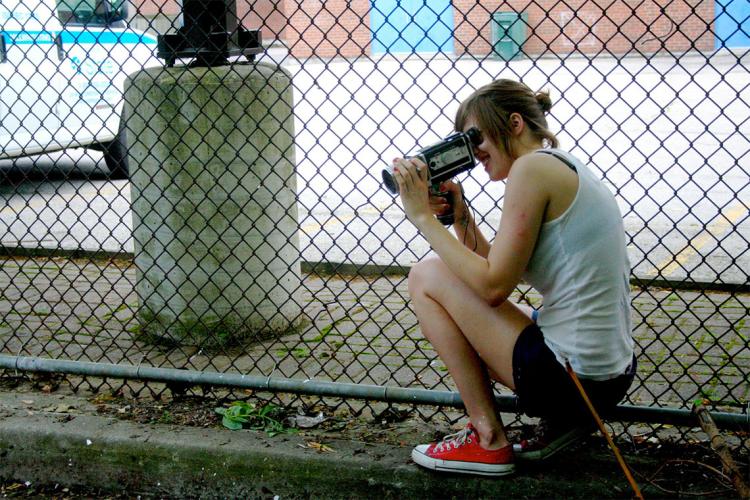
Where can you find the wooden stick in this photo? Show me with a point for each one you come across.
(721, 448)
(615, 450)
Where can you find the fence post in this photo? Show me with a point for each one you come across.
(213, 189)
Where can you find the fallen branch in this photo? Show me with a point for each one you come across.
(725, 486)
(721, 448)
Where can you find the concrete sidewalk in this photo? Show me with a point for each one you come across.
(61, 439)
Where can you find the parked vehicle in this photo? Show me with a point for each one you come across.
(62, 68)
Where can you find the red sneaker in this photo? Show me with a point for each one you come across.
(460, 452)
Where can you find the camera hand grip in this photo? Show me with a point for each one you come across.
(449, 216)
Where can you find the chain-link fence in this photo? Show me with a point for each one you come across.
(250, 195)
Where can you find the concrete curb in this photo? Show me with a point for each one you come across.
(153, 460)
(158, 460)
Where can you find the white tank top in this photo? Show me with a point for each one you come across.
(581, 268)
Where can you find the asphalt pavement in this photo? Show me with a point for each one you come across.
(658, 130)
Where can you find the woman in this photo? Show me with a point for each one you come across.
(561, 231)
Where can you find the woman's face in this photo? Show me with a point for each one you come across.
(493, 157)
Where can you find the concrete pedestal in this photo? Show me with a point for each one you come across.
(214, 202)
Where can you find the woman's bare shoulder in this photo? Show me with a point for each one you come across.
(553, 177)
(539, 167)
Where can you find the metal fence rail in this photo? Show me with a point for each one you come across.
(654, 96)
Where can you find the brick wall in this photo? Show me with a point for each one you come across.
(328, 29)
(591, 27)
(342, 28)
(267, 15)
(159, 15)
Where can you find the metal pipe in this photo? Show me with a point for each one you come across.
(505, 403)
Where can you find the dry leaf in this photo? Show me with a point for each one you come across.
(103, 398)
(320, 447)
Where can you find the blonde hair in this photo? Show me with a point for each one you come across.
(491, 106)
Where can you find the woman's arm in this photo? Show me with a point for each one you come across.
(493, 277)
(465, 227)
(468, 232)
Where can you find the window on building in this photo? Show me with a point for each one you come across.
(91, 12)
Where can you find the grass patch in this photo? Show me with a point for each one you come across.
(326, 330)
(323, 332)
(165, 418)
(297, 352)
(740, 325)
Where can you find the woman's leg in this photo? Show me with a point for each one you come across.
(470, 337)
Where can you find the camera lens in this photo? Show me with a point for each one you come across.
(474, 135)
(388, 181)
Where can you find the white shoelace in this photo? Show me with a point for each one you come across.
(455, 440)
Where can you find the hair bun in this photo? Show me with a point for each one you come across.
(542, 97)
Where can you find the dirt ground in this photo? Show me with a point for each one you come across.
(664, 467)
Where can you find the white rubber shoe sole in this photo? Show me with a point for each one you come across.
(558, 444)
(420, 457)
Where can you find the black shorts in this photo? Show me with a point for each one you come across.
(545, 389)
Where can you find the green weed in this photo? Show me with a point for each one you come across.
(740, 326)
(323, 332)
(166, 418)
(297, 352)
(268, 418)
(40, 311)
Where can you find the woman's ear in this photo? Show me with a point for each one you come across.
(516, 124)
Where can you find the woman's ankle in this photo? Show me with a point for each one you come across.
(491, 437)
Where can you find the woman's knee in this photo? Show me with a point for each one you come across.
(426, 274)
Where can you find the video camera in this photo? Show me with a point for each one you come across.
(444, 160)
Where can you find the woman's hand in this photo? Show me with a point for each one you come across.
(413, 188)
(441, 205)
